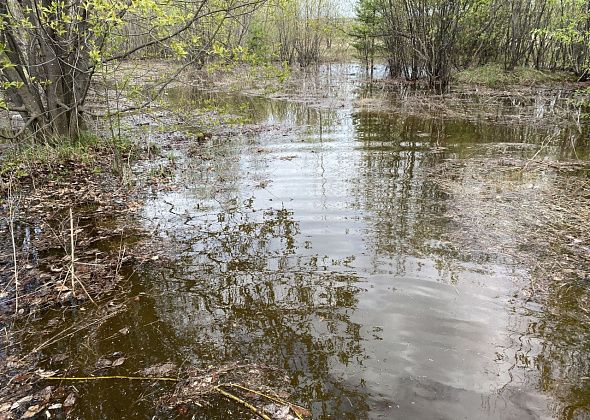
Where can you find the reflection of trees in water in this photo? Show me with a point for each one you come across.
(401, 154)
(409, 209)
(256, 109)
(244, 294)
(563, 358)
(550, 344)
(239, 242)
(564, 366)
(549, 352)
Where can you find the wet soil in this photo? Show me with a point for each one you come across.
(380, 260)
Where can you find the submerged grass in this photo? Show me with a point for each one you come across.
(536, 212)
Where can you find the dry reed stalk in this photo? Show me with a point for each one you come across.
(72, 257)
(11, 217)
(71, 269)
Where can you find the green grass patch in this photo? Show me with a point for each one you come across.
(88, 150)
(494, 75)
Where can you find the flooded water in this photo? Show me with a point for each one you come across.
(324, 246)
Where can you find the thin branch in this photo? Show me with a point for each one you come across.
(182, 29)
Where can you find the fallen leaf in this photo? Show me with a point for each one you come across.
(159, 370)
(46, 373)
(66, 296)
(278, 412)
(103, 363)
(300, 411)
(32, 411)
(22, 401)
(119, 361)
(70, 400)
(45, 393)
(62, 288)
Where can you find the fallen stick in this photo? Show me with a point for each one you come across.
(93, 378)
(242, 402)
(293, 407)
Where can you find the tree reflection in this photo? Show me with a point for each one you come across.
(549, 344)
(252, 297)
(408, 208)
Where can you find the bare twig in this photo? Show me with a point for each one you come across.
(72, 257)
(242, 402)
(95, 378)
(278, 400)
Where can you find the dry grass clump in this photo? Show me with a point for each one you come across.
(524, 106)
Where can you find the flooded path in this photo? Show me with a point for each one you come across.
(325, 246)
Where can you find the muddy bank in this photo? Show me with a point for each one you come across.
(75, 241)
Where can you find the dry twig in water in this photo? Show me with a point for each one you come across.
(12, 204)
(71, 270)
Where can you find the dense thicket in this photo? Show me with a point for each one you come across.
(292, 31)
(50, 49)
(431, 38)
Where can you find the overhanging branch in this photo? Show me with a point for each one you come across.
(182, 29)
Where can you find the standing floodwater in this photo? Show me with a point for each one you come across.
(327, 246)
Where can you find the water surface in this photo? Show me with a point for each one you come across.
(327, 250)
